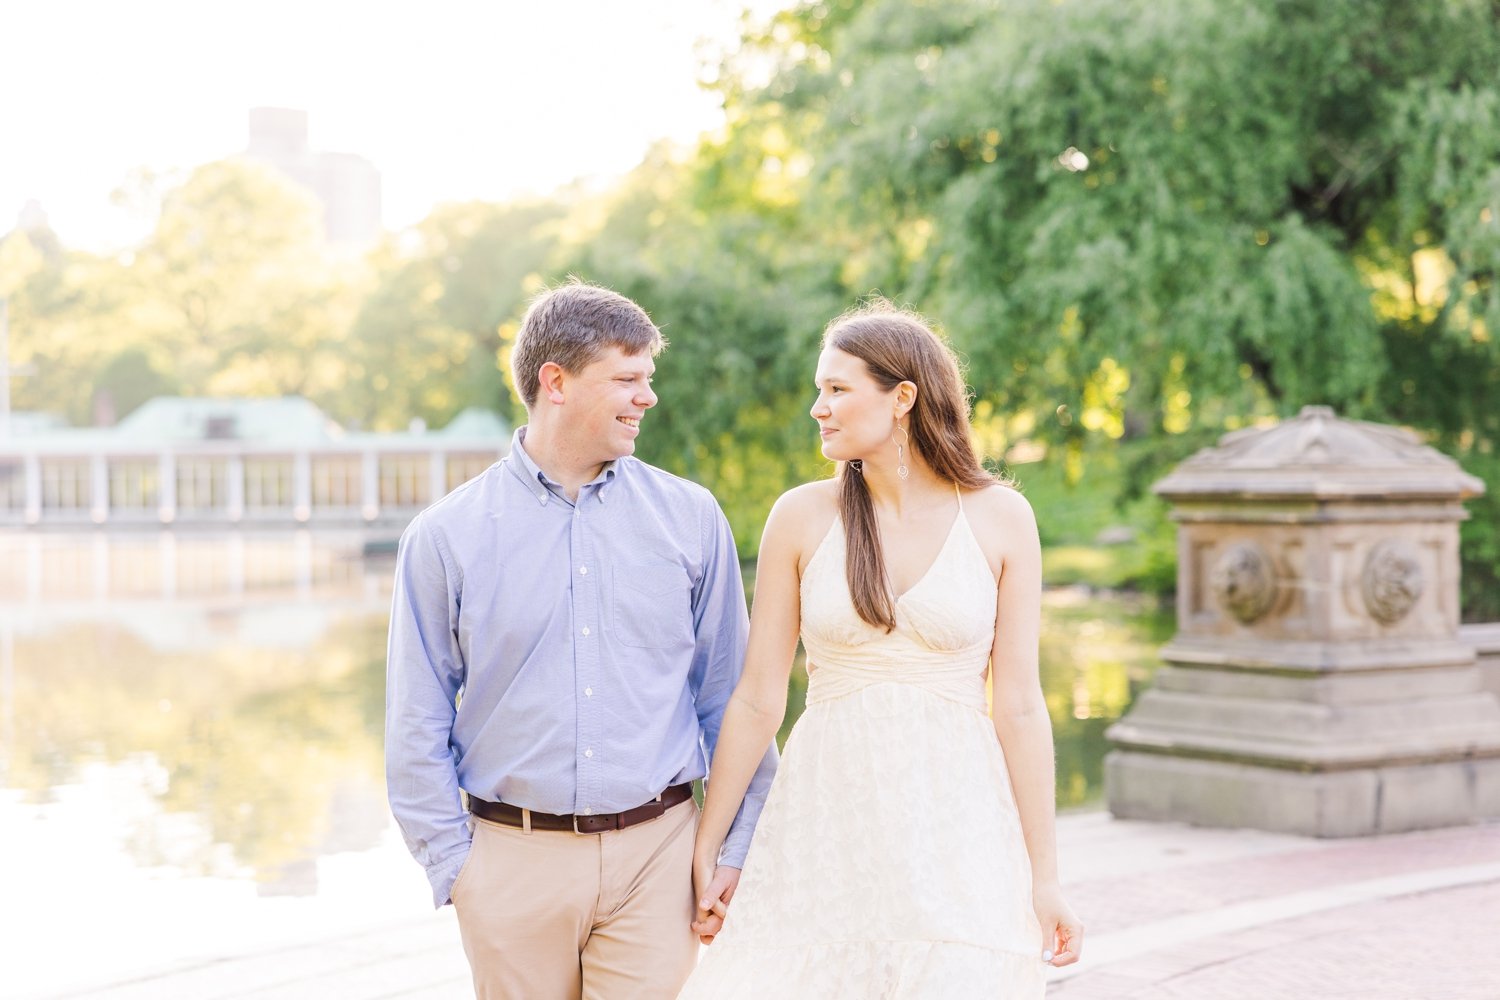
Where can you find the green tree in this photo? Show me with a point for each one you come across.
(427, 339)
(233, 292)
(1175, 216)
(65, 310)
(720, 262)
(127, 380)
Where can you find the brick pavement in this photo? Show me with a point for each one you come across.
(1373, 932)
(1131, 899)
(1441, 945)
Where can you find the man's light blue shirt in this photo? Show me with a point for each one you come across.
(562, 657)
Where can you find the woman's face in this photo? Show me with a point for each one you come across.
(855, 415)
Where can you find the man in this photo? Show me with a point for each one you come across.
(584, 612)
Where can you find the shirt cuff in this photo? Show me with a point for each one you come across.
(732, 854)
(442, 876)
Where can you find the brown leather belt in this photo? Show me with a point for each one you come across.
(503, 812)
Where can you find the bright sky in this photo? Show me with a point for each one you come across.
(450, 99)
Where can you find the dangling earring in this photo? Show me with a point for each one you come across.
(855, 465)
(901, 469)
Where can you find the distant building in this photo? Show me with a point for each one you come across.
(32, 218)
(235, 461)
(35, 227)
(348, 186)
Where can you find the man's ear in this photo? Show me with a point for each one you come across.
(550, 378)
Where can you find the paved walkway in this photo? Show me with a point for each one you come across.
(1184, 913)
(1172, 912)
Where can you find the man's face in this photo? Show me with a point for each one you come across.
(605, 402)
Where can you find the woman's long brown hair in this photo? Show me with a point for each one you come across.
(898, 346)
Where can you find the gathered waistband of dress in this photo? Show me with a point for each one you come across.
(964, 685)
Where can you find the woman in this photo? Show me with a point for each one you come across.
(907, 847)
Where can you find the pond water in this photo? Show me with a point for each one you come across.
(190, 743)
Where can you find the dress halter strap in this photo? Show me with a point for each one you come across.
(959, 497)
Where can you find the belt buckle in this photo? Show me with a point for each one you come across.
(595, 817)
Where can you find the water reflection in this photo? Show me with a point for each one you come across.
(236, 681)
(1097, 654)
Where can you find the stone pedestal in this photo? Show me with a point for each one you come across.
(1318, 683)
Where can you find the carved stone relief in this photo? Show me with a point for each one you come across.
(1244, 581)
(1392, 581)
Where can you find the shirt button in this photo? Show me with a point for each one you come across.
(585, 630)
(588, 753)
(589, 692)
(583, 571)
(588, 812)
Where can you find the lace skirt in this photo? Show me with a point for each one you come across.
(888, 864)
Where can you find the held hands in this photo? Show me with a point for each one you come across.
(1062, 931)
(713, 888)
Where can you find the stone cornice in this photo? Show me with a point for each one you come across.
(1319, 456)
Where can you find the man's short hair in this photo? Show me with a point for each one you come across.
(572, 325)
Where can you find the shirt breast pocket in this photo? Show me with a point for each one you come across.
(651, 605)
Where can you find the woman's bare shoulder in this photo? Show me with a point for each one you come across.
(820, 494)
(802, 516)
(1001, 501)
(1001, 518)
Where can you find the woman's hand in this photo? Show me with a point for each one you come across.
(1062, 931)
(713, 888)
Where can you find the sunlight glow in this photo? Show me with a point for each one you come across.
(452, 102)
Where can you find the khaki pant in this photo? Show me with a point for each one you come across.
(551, 915)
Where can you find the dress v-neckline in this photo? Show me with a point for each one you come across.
(838, 526)
(942, 551)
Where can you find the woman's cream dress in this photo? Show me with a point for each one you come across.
(889, 861)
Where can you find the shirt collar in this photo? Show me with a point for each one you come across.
(543, 487)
